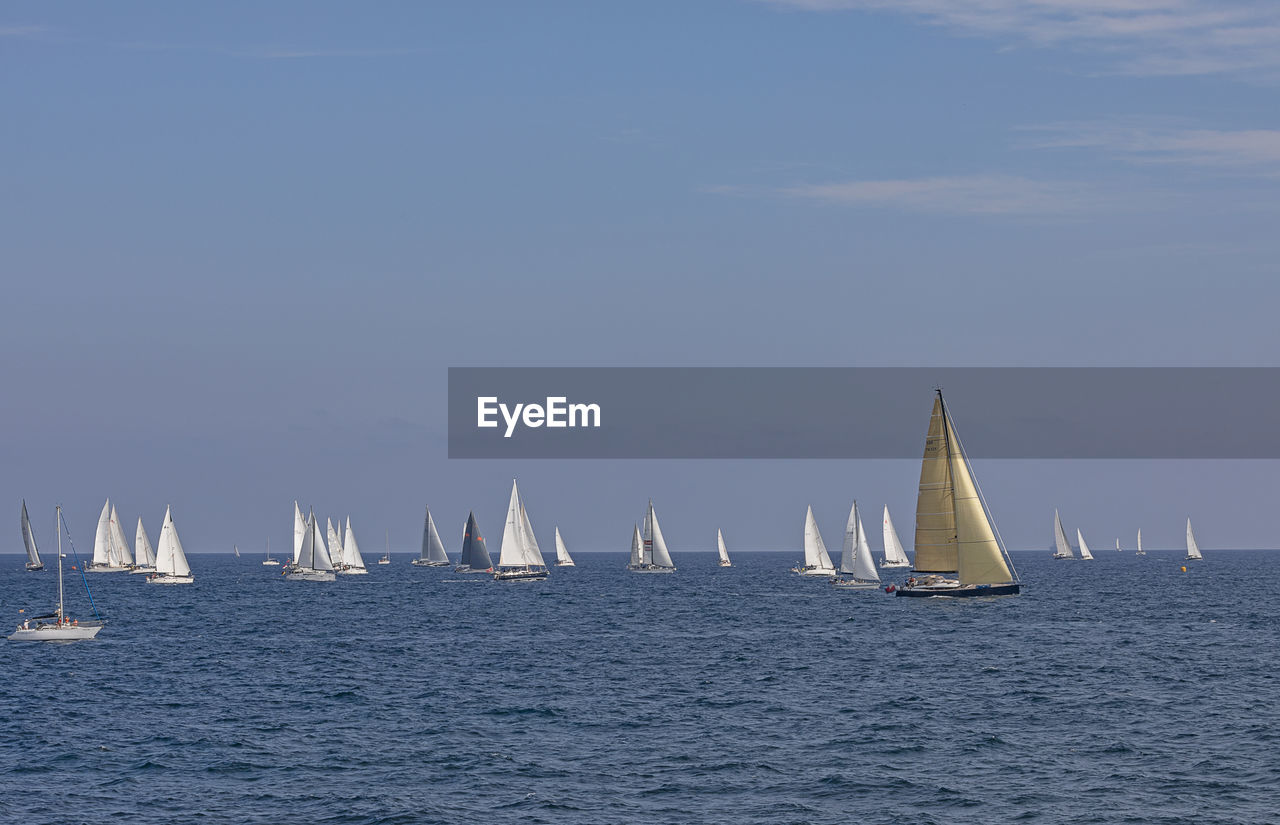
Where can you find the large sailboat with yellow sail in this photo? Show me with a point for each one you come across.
(954, 534)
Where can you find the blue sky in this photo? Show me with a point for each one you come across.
(244, 243)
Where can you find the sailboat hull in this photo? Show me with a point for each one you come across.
(887, 565)
(520, 575)
(166, 578)
(464, 568)
(814, 571)
(426, 563)
(961, 592)
(649, 568)
(854, 584)
(31, 568)
(53, 633)
(354, 571)
(297, 575)
(271, 563)
(142, 570)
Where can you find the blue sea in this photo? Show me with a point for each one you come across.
(1113, 691)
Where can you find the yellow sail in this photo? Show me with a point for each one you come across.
(935, 505)
(978, 553)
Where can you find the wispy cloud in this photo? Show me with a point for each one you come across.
(1255, 151)
(284, 53)
(11, 30)
(1143, 37)
(963, 195)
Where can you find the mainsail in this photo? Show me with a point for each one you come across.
(432, 547)
(29, 539)
(815, 550)
(350, 550)
(1084, 548)
(637, 547)
(146, 557)
(1193, 549)
(893, 553)
(170, 558)
(855, 559)
(102, 538)
(655, 546)
(475, 554)
(119, 544)
(721, 549)
(1063, 546)
(300, 528)
(562, 553)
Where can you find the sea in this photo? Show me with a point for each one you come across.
(1122, 690)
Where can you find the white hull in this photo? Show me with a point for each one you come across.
(565, 564)
(425, 563)
(888, 565)
(31, 568)
(467, 569)
(854, 584)
(310, 575)
(53, 633)
(520, 575)
(146, 570)
(1063, 556)
(104, 568)
(271, 563)
(649, 568)
(726, 564)
(353, 571)
(814, 571)
(169, 578)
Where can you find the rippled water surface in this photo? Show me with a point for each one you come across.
(1119, 690)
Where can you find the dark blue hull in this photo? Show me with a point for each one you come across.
(967, 591)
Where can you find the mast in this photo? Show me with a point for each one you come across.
(59, 562)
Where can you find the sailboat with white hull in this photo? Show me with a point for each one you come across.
(563, 559)
(816, 560)
(894, 555)
(268, 561)
(654, 556)
(314, 563)
(519, 559)
(433, 553)
(952, 524)
(352, 561)
(171, 560)
(111, 553)
(475, 554)
(1118, 546)
(1139, 551)
(1062, 547)
(1193, 549)
(29, 539)
(1085, 555)
(721, 550)
(144, 555)
(855, 559)
(61, 628)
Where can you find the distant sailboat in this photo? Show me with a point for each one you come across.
(816, 560)
(519, 558)
(235, 548)
(1140, 551)
(894, 555)
(563, 559)
(1193, 549)
(1118, 545)
(29, 539)
(475, 555)
(352, 561)
(952, 523)
(145, 556)
(268, 561)
(433, 553)
(171, 560)
(62, 628)
(1063, 546)
(721, 550)
(654, 557)
(1085, 555)
(386, 555)
(856, 560)
(109, 548)
(314, 563)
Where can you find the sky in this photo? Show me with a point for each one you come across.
(243, 243)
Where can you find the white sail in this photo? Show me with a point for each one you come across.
(1140, 551)
(120, 544)
(529, 542)
(1193, 549)
(320, 558)
(894, 555)
(1117, 545)
(299, 532)
(850, 548)
(306, 552)
(335, 541)
(351, 556)
(170, 557)
(562, 553)
(1064, 550)
(721, 549)
(432, 547)
(657, 544)
(102, 538)
(1084, 548)
(511, 553)
(636, 547)
(29, 539)
(864, 566)
(815, 550)
(143, 553)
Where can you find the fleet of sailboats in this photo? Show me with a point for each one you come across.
(651, 554)
(433, 553)
(722, 552)
(855, 559)
(312, 563)
(816, 560)
(519, 558)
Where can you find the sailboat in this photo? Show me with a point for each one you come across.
(386, 555)
(1085, 555)
(268, 561)
(475, 555)
(1118, 546)
(855, 559)
(62, 628)
(109, 547)
(816, 560)
(235, 548)
(654, 557)
(722, 550)
(314, 564)
(433, 554)
(519, 559)
(1140, 551)
(952, 524)
(1063, 547)
(894, 555)
(29, 539)
(563, 559)
(171, 561)
(145, 555)
(352, 561)
(1193, 549)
